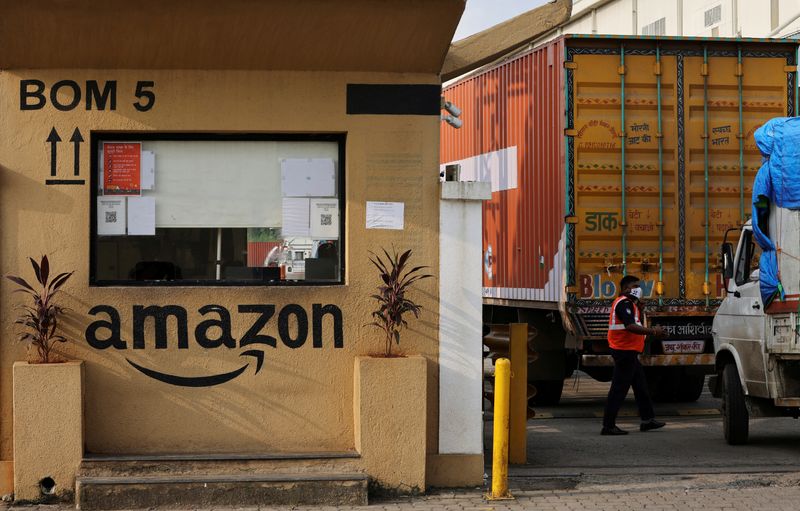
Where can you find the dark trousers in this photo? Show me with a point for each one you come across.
(628, 372)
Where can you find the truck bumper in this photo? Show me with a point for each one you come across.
(706, 359)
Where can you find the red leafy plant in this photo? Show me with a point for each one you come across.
(40, 318)
(391, 297)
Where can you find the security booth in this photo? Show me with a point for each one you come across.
(217, 175)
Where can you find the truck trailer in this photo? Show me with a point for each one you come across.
(610, 156)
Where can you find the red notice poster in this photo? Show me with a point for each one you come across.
(122, 168)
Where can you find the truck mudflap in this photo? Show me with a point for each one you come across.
(706, 359)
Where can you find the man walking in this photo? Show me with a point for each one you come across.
(626, 335)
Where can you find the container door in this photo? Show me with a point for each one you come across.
(713, 148)
(650, 175)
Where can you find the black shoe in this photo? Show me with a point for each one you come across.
(613, 431)
(651, 424)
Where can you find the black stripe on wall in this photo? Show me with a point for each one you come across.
(393, 99)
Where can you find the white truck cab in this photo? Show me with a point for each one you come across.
(757, 348)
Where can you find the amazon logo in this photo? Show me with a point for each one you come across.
(214, 331)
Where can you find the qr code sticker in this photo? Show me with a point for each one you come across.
(326, 219)
(111, 217)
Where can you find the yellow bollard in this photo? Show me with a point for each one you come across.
(502, 382)
(518, 409)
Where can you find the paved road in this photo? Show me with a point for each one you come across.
(565, 439)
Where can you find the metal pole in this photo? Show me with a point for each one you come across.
(569, 249)
(706, 283)
(219, 253)
(660, 136)
(518, 353)
(502, 382)
(624, 222)
(740, 73)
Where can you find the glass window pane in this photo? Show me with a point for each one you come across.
(217, 211)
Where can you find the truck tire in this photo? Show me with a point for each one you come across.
(674, 384)
(663, 382)
(735, 419)
(690, 387)
(548, 392)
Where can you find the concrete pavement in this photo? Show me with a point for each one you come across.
(687, 465)
(709, 492)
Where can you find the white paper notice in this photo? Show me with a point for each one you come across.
(295, 218)
(111, 216)
(308, 177)
(325, 219)
(141, 216)
(148, 174)
(385, 215)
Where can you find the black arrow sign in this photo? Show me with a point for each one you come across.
(54, 139)
(76, 139)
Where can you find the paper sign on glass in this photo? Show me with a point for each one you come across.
(148, 179)
(385, 215)
(295, 218)
(122, 166)
(141, 216)
(325, 219)
(308, 177)
(111, 216)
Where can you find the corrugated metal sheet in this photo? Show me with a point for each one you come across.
(517, 107)
(764, 82)
(699, 108)
(257, 252)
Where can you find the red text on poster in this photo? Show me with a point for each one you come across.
(122, 168)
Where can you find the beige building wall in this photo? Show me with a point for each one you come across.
(302, 400)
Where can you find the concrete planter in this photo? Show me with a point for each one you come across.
(390, 408)
(48, 429)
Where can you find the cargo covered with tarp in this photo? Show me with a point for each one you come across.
(776, 208)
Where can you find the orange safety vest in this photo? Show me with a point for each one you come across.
(618, 337)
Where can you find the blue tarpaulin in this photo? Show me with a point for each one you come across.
(778, 183)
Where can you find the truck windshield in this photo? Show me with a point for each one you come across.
(748, 259)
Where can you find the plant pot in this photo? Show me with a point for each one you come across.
(48, 429)
(390, 412)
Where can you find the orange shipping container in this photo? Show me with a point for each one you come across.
(553, 128)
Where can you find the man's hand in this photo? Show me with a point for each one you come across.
(658, 331)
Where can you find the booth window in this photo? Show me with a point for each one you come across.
(217, 210)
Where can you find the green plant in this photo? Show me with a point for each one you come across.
(391, 297)
(40, 319)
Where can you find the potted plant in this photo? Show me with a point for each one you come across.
(390, 399)
(48, 395)
(39, 319)
(393, 304)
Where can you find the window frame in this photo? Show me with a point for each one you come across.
(744, 262)
(98, 137)
(710, 14)
(651, 29)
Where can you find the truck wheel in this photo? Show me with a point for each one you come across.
(735, 419)
(663, 384)
(690, 386)
(548, 392)
(653, 376)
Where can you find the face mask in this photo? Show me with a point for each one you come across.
(636, 293)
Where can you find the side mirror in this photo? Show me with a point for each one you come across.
(727, 266)
(727, 261)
